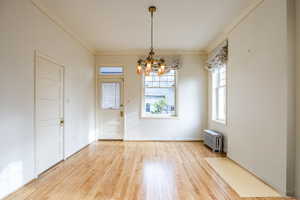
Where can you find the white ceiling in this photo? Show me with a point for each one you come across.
(116, 25)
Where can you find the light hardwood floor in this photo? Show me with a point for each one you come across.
(132, 170)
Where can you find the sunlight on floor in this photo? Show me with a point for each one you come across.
(159, 176)
(11, 178)
(242, 181)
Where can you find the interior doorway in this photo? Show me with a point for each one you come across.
(49, 112)
(110, 104)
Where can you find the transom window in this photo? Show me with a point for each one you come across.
(159, 95)
(111, 70)
(219, 94)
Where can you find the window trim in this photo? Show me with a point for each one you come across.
(143, 115)
(215, 103)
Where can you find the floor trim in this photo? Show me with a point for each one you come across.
(163, 140)
(109, 140)
(76, 152)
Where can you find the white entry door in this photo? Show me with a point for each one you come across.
(111, 109)
(49, 113)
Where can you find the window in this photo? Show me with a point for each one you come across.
(110, 95)
(111, 70)
(219, 94)
(159, 95)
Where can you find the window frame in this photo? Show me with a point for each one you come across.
(144, 115)
(215, 92)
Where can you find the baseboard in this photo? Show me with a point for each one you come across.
(110, 140)
(163, 140)
(290, 193)
(73, 154)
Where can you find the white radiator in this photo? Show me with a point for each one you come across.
(214, 140)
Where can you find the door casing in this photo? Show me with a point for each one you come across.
(38, 55)
(109, 78)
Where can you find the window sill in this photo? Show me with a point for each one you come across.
(219, 122)
(159, 117)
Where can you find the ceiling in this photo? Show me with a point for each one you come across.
(119, 25)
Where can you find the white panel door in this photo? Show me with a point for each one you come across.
(49, 113)
(111, 109)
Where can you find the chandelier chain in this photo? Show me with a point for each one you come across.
(153, 63)
(151, 31)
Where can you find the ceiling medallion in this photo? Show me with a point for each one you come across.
(153, 63)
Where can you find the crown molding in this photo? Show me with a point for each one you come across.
(145, 52)
(219, 39)
(62, 26)
(231, 27)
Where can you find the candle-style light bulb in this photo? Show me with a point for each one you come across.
(147, 73)
(163, 68)
(139, 69)
(160, 72)
(148, 68)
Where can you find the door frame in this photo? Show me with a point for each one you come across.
(38, 54)
(98, 80)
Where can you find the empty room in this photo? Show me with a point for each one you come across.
(149, 100)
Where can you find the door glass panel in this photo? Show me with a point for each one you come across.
(110, 95)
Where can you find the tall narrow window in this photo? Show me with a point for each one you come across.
(219, 94)
(159, 95)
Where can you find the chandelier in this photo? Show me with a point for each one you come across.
(153, 63)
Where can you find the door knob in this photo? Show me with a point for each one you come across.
(61, 123)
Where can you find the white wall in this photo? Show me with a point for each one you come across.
(192, 101)
(261, 97)
(297, 177)
(258, 94)
(25, 29)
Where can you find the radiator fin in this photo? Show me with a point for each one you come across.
(214, 140)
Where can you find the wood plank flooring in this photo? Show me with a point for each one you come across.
(133, 171)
